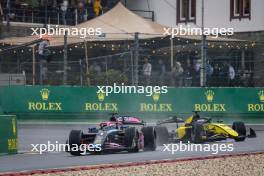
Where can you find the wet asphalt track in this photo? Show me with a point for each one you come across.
(34, 134)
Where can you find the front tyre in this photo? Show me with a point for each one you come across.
(149, 138)
(75, 138)
(131, 139)
(162, 135)
(240, 128)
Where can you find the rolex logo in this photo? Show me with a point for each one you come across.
(101, 96)
(209, 94)
(261, 96)
(44, 94)
(156, 96)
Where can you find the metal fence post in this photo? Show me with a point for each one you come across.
(136, 57)
(87, 64)
(65, 59)
(203, 53)
(33, 65)
(132, 68)
(81, 73)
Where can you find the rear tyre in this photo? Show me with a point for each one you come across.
(149, 138)
(197, 133)
(162, 135)
(75, 138)
(131, 139)
(240, 128)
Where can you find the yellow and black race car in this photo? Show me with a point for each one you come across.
(198, 130)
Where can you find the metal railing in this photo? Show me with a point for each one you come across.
(109, 70)
(54, 16)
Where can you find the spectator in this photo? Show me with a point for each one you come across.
(232, 75)
(196, 73)
(177, 73)
(43, 50)
(44, 53)
(188, 74)
(90, 11)
(147, 69)
(224, 74)
(161, 71)
(209, 73)
(96, 68)
(97, 7)
(82, 13)
(215, 75)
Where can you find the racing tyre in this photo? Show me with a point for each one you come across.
(149, 138)
(240, 128)
(75, 138)
(162, 135)
(131, 139)
(197, 133)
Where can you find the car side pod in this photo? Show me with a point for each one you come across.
(252, 133)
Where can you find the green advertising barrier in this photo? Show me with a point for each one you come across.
(8, 134)
(84, 102)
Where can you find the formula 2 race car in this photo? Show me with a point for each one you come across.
(120, 133)
(198, 130)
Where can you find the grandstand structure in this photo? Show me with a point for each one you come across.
(111, 57)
